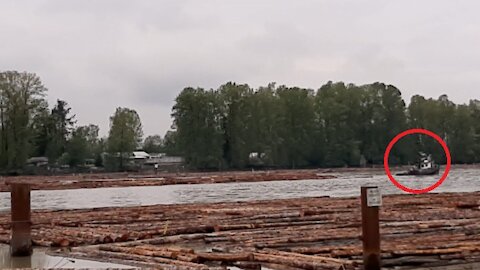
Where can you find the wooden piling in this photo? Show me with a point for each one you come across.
(371, 200)
(21, 239)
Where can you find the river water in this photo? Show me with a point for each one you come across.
(347, 184)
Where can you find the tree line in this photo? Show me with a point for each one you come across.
(337, 125)
(237, 127)
(29, 128)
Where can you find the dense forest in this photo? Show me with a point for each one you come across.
(337, 125)
(237, 127)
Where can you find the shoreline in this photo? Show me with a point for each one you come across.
(103, 180)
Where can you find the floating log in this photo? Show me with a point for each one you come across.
(226, 257)
(122, 180)
(142, 254)
(308, 257)
(302, 263)
(296, 233)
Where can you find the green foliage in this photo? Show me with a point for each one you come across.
(170, 145)
(265, 125)
(153, 144)
(100, 149)
(296, 117)
(458, 125)
(338, 125)
(53, 131)
(338, 111)
(236, 126)
(82, 145)
(383, 117)
(21, 99)
(125, 135)
(200, 135)
(235, 111)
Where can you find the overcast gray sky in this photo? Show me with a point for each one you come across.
(98, 55)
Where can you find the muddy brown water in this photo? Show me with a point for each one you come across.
(346, 185)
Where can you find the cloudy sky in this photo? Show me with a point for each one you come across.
(98, 55)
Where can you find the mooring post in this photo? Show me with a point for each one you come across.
(371, 201)
(21, 241)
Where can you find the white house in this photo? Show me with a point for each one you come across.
(140, 155)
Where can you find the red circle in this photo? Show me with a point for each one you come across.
(417, 131)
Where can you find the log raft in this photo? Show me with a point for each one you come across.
(125, 180)
(308, 233)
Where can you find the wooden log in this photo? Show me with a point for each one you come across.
(429, 225)
(310, 250)
(146, 255)
(62, 242)
(42, 243)
(76, 182)
(435, 251)
(468, 205)
(410, 260)
(225, 257)
(294, 262)
(308, 257)
(248, 265)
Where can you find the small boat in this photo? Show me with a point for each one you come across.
(426, 166)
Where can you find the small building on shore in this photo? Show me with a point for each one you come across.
(37, 162)
(164, 162)
(139, 157)
(141, 160)
(256, 159)
(36, 166)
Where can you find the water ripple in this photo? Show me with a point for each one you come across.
(348, 184)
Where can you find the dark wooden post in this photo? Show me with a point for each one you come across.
(371, 201)
(21, 241)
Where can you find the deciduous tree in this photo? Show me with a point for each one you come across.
(125, 134)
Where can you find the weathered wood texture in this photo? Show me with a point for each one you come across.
(310, 233)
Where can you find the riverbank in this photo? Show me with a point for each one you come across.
(425, 230)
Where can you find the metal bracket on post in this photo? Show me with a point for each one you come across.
(371, 201)
(21, 241)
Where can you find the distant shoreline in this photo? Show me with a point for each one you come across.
(105, 180)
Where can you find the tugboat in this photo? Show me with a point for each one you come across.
(425, 166)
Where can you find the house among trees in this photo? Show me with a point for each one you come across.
(141, 160)
(234, 127)
(139, 157)
(163, 161)
(36, 165)
(256, 159)
(37, 162)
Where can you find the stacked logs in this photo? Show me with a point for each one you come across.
(123, 180)
(309, 233)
